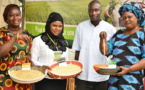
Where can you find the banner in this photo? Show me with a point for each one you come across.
(73, 12)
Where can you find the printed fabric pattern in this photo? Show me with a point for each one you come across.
(16, 56)
(127, 50)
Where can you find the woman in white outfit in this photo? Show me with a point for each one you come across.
(44, 48)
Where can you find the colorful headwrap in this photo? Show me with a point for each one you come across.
(135, 9)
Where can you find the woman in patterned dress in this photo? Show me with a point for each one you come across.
(128, 48)
(15, 44)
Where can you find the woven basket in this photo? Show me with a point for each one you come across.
(108, 71)
(19, 67)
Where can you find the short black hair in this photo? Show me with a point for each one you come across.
(94, 1)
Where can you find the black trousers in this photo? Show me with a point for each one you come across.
(51, 84)
(87, 85)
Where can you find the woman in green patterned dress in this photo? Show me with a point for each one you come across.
(15, 44)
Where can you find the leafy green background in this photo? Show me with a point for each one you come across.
(73, 11)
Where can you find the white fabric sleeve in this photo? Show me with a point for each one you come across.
(35, 50)
(113, 31)
(76, 42)
(65, 54)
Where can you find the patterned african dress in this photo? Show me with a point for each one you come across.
(16, 56)
(127, 50)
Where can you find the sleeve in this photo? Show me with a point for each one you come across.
(110, 44)
(113, 31)
(35, 51)
(1, 38)
(76, 42)
(142, 40)
(65, 54)
(1, 43)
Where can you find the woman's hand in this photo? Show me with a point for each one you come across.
(47, 67)
(103, 35)
(24, 37)
(103, 43)
(123, 72)
(78, 74)
(49, 74)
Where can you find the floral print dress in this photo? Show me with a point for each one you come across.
(127, 50)
(16, 56)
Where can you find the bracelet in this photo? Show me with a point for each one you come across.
(17, 36)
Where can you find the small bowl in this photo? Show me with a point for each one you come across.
(19, 67)
(67, 76)
(105, 70)
(108, 71)
(98, 66)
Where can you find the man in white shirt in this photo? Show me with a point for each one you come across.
(86, 45)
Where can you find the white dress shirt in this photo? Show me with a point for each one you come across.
(87, 41)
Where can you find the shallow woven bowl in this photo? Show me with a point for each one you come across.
(108, 71)
(67, 76)
(19, 67)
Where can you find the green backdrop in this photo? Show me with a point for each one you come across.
(72, 11)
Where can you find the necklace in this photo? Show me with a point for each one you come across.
(15, 31)
(52, 41)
